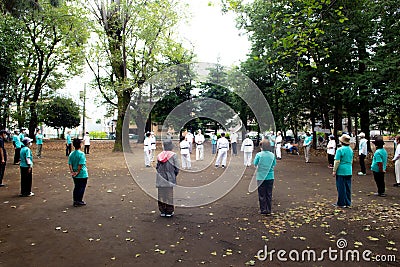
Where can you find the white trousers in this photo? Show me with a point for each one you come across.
(221, 158)
(199, 152)
(186, 163)
(397, 170)
(147, 157)
(307, 153)
(278, 151)
(152, 153)
(247, 156)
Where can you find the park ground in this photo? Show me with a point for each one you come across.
(121, 226)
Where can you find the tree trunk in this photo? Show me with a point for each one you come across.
(124, 99)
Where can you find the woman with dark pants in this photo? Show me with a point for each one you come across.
(78, 170)
(378, 166)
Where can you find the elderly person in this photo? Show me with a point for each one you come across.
(342, 170)
(167, 170)
(396, 160)
(378, 166)
(362, 153)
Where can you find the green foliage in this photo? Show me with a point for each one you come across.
(61, 113)
(98, 135)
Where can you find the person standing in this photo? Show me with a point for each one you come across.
(68, 144)
(278, 145)
(223, 147)
(378, 166)
(147, 150)
(247, 148)
(362, 153)
(167, 170)
(234, 139)
(189, 137)
(86, 143)
(330, 150)
(343, 170)
(25, 166)
(3, 156)
(79, 173)
(153, 146)
(213, 143)
(396, 160)
(265, 162)
(199, 140)
(272, 139)
(21, 135)
(185, 155)
(17, 147)
(307, 146)
(39, 143)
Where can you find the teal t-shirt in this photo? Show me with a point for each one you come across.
(265, 162)
(68, 137)
(380, 155)
(21, 136)
(39, 139)
(24, 154)
(308, 140)
(345, 155)
(17, 142)
(75, 159)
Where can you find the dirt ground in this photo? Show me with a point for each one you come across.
(121, 226)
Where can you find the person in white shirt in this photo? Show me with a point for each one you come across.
(396, 160)
(331, 150)
(147, 149)
(247, 148)
(189, 137)
(153, 146)
(234, 138)
(362, 153)
(278, 145)
(222, 147)
(185, 155)
(199, 140)
(86, 143)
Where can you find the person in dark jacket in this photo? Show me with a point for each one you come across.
(167, 170)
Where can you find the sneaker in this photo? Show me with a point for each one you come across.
(169, 214)
(79, 203)
(395, 185)
(336, 205)
(361, 174)
(162, 214)
(223, 166)
(2, 185)
(216, 166)
(31, 194)
(382, 195)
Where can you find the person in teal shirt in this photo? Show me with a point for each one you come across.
(39, 143)
(307, 146)
(17, 146)
(343, 171)
(213, 143)
(378, 166)
(21, 136)
(265, 162)
(25, 167)
(79, 173)
(68, 144)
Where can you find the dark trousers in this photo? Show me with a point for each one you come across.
(2, 170)
(26, 180)
(265, 195)
(68, 149)
(166, 200)
(86, 149)
(79, 189)
(234, 148)
(331, 159)
(362, 163)
(380, 181)
(17, 155)
(343, 186)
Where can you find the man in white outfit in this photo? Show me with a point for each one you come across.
(185, 155)
(153, 146)
(147, 149)
(362, 153)
(247, 148)
(278, 145)
(189, 137)
(222, 147)
(199, 140)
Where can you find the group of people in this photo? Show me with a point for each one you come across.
(24, 158)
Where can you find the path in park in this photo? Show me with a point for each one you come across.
(121, 226)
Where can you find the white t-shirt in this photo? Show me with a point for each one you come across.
(331, 147)
(362, 147)
(86, 140)
(234, 137)
(189, 137)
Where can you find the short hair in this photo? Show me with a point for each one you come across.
(148, 134)
(265, 145)
(222, 134)
(379, 142)
(167, 144)
(77, 143)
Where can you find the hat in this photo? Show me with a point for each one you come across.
(345, 139)
(361, 134)
(26, 140)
